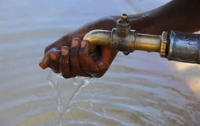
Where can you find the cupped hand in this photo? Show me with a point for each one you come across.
(70, 55)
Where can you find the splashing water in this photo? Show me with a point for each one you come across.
(61, 87)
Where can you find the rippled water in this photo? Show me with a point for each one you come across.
(141, 89)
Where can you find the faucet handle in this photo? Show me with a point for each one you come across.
(123, 26)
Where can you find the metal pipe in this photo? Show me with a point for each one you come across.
(178, 46)
(133, 41)
(150, 43)
(98, 37)
(184, 47)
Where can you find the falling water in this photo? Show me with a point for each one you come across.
(63, 101)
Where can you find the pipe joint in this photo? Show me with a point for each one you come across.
(125, 43)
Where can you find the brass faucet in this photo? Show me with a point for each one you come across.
(122, 38)
(179, 46)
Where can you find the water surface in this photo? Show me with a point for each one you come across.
(139, 89)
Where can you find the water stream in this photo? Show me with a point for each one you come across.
(64, 103)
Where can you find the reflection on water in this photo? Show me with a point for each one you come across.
(139, 89)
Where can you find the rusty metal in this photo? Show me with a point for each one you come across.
(184, 47)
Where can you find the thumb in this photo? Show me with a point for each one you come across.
(108, 55)
(106, 58)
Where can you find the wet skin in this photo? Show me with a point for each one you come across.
(70, 55)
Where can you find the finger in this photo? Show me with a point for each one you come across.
(102, 65)
(104, 62)
(43, 63)
(107, 55)
(87, 64)
(74, 58)
(64, 64)
(51, 60)
(50, 55)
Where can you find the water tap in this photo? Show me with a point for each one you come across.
(178, 46)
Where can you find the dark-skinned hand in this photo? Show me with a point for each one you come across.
(70, 55)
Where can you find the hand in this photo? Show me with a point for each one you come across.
(63, 51)
(70, 56)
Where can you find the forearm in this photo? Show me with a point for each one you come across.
(180, 15)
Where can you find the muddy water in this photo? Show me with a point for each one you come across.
(139, 89)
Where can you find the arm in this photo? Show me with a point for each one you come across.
(71, 57)
(180, 15)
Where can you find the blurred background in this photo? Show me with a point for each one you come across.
(140, 89)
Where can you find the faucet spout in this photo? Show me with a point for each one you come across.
(122, 38)
(98, 37)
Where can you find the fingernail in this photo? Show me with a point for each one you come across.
(53, 55)
(64, 51)
(43, 65)
(75, 43)
(83, 44)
